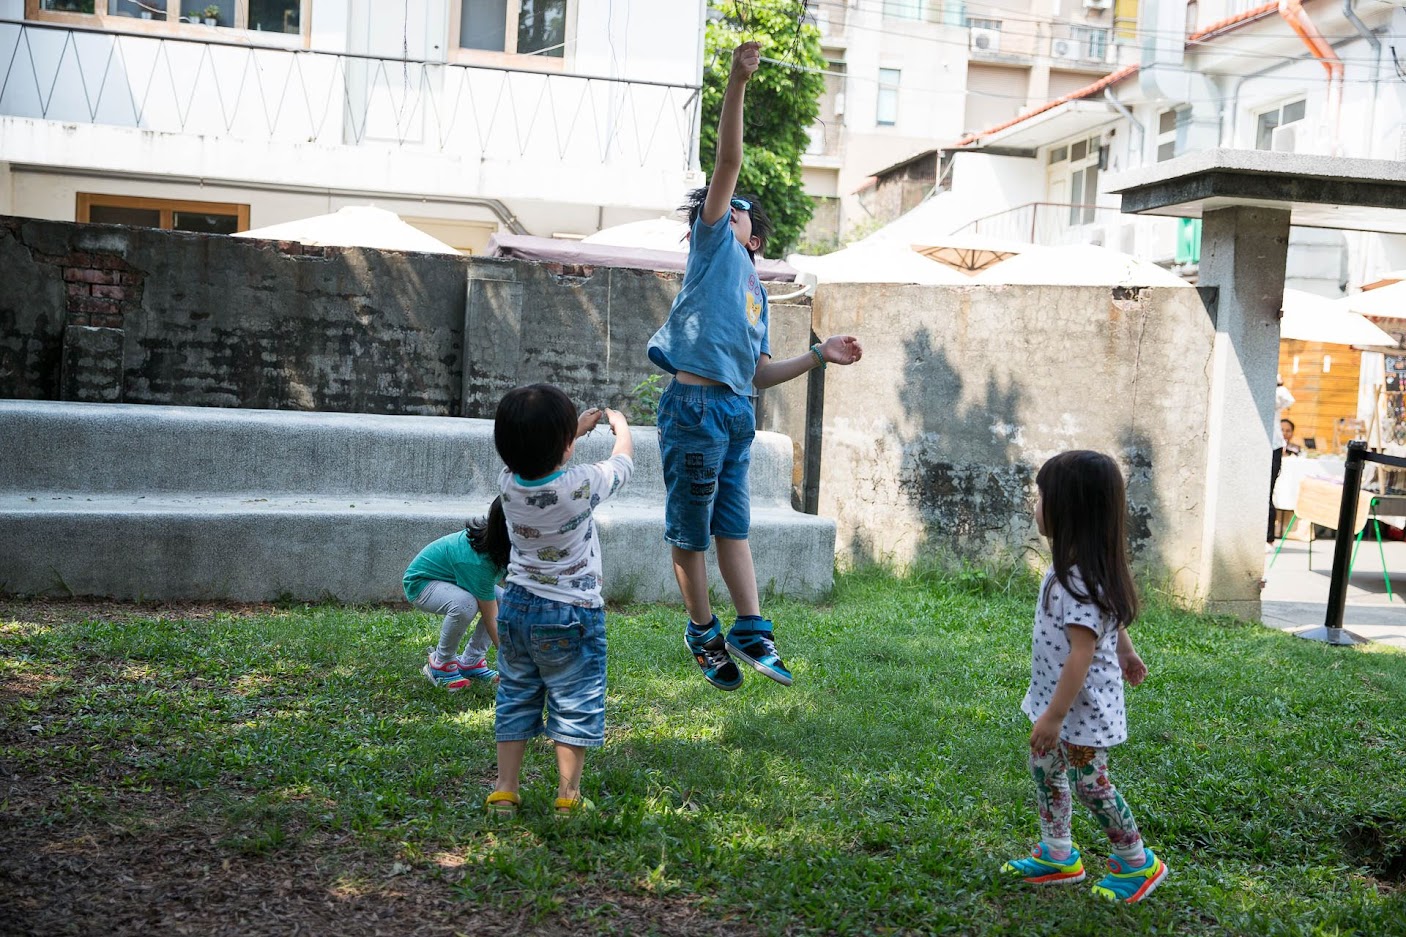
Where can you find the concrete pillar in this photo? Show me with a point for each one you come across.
(1243, 252)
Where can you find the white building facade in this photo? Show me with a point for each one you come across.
(1315, 77)
(466, 117)
(904, 74)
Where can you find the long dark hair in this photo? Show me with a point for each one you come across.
(489, 535)
(1085, 509)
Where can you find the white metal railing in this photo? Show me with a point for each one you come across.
(212, 87)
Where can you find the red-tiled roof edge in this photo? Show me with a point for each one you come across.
(1110, 79)
(1231, 22)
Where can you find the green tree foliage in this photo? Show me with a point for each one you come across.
(782, 103)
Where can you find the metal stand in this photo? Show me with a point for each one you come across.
(1332, 631)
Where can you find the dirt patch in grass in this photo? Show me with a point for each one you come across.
(84, 852)
(148, 869)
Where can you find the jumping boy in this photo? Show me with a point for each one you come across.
(715, 344)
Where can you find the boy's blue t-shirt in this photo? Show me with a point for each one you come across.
(717, 327)
(452, 559)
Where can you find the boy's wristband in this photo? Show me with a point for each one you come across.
(815, 350)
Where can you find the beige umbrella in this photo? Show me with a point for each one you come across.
(1078, 265)
(869, 262)
(354, 226)
(1385, 302)
(968, 253)
(1313, 318)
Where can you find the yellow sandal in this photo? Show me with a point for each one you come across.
(572, 806)
(503, 803)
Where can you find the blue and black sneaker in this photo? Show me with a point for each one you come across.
(757, 646)
(710, 651)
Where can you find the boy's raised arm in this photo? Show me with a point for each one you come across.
(728, 163)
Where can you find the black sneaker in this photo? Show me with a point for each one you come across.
(758, 648)
(710, 650)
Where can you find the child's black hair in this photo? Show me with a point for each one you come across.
(489, 535)
(532, 428)
(1085, 508)
(761, 222)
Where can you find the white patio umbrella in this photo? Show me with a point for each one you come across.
(1312, 318)
(868, 262)
(656, 234)
(969, 253)
(1078, 265)
(354, 226)
(1387, 302)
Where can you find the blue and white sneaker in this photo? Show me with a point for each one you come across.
(758, 648)
(710, 651)
(444, 675)
(477, 672)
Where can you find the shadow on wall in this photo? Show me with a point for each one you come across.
(965, 471)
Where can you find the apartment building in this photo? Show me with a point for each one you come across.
(465, 116)
(1317, 77)
(906, 73)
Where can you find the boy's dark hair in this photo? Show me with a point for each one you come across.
(1085, 508)
(532, 428)
(489, 535)
(761, 222)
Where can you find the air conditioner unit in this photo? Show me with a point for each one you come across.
(1099, 5)
(1284, 139)
(985, 40)
(1064, 49)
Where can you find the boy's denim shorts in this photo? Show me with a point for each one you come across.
(705, 443)
(550, 655)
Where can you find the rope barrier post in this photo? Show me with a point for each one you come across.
(1332, 631)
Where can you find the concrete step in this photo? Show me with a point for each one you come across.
(191, 503)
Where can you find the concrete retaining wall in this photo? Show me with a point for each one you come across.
(933, 441)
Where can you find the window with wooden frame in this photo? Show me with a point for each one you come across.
(180, 17)
(535, 34)
(172, 214)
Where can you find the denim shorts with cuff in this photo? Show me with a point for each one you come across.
(705, 444)
(550, 656)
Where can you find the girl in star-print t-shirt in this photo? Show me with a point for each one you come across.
(1081, 654)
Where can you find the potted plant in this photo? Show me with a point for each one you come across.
(211, 15)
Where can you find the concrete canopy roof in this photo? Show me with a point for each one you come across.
(1065, 120)
(1319, 191)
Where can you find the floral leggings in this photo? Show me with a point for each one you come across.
(1087, 770)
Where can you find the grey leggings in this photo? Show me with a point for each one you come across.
(458, 608)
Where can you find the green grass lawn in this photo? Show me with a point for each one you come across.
(879, 794)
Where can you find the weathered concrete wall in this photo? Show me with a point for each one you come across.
(194, 320)
(934, 439)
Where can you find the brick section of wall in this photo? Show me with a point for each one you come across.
(102, 288)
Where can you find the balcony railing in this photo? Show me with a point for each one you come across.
(1045, 223)
(191, 86)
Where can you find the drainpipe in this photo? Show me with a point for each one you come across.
(1370, 122)
(1293, 13)
(1122, 108)
(1164, 75)
(1376, 43)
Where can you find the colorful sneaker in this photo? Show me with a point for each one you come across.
(758, 648)
(1131, 885)
(477, 672)
(710, 651)
(1040, 869)
(445, 675)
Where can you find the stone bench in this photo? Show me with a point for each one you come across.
(151, 502)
